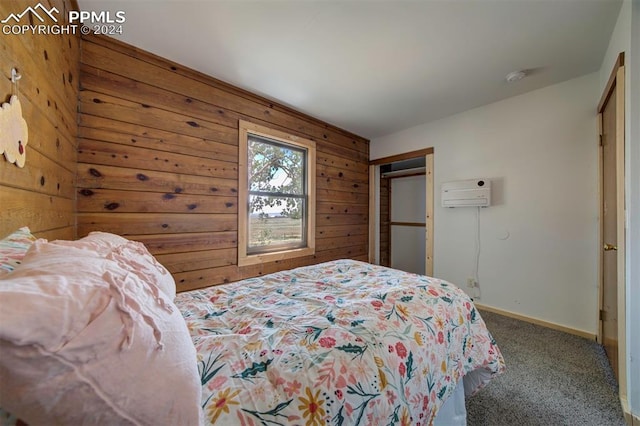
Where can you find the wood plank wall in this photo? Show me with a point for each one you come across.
(42, 194)
(385, 222)
(158, 163)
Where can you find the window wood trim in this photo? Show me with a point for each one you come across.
(244, 129)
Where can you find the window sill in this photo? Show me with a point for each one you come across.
(255, 259)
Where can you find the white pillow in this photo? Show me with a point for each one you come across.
(84, 341)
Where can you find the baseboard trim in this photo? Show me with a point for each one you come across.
(547, 324)
(625, 410)
(630, 419)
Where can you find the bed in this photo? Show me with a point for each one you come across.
(341, 343)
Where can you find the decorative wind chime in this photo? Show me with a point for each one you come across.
(14, 133)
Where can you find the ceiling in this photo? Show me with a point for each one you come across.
(375, 67)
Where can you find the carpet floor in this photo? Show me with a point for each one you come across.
(552, 378)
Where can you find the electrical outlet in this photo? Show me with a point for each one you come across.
(471, 282)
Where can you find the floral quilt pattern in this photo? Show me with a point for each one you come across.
(340, 343)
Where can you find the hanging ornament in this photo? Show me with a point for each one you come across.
(14, 133)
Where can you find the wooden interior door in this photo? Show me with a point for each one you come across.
(612, 234)
(609, 308)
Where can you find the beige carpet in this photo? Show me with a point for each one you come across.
(552, 378)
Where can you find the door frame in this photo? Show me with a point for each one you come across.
(374, 186)
(616, 82)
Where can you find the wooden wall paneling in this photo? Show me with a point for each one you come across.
(330, 172)
(341, 231)
(66, 233)
(101, 105)
(42, 194)
(112, 177)
(343, 163)
(342, 196)
(40, 212)
(372, 255)
(52, 63)
(330, 206)
(111, 154)
(336, 242)
(108, 59)
(193, 260)
(41, 175)
(55, 55)
(108, 83)
(341, 219)
(44, 135)
(158, 157)
(342, 185)
(158, 71)
(145, 136)
(385, 220)
(328, 148)
(110, 200)
(185, 145)
(198, 278)
(179, 69)
(44, 92)
(346, 251)
(155, 223)
(153, 97)
(182, 243)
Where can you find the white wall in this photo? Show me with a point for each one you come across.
(626, 38)
(539, 240)
(619, 42)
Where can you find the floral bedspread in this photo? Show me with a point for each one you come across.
(340, 343)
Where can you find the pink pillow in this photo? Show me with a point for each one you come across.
(130, 255)
(84, 341)
(13, 248)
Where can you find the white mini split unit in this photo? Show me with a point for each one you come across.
(466, 193)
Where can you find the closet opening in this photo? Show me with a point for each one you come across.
(401, 212)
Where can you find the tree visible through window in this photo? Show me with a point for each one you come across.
(276, 195)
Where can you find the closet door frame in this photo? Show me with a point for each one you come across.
(374, 209)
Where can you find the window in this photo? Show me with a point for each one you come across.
(276, 201)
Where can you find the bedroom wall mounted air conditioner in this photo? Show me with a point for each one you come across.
(466, 193)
